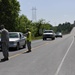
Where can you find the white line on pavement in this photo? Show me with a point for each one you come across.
(59, 67)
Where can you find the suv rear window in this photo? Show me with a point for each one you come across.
(48, 31)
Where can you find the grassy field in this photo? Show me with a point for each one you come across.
(37, 38)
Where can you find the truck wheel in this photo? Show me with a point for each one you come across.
(53, 38)
(44, 39)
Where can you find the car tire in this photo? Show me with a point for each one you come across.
(18, 46)
(24, 46)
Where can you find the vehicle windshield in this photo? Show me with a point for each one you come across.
(48, 31)
(13, 35)
(58, 33)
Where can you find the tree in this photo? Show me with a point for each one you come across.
(42, 25)
(23, 23)
(9, 12)
(65, 27)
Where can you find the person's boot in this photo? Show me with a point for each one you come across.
(4, 59)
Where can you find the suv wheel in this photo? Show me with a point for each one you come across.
(53, 38)
(44, 38)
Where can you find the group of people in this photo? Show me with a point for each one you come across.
(5, 42)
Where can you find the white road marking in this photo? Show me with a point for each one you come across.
(59, 67)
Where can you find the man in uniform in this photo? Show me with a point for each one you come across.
(5, 43)
(28, 34)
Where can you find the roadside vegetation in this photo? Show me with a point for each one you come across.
(9, 16)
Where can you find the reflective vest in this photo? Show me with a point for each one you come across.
(29, 36)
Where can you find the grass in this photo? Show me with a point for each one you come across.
(37, 38)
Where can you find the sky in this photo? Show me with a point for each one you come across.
(53, 11)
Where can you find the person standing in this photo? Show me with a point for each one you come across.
(5, 43)
(28, 34)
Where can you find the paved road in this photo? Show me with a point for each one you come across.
(47, 58)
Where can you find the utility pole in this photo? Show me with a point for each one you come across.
(34, 19)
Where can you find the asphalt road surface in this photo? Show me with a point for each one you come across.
(48, 57)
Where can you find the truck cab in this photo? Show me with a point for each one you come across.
(48, 34)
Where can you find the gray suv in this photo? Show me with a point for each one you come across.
(48, 34)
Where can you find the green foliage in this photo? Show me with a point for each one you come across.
(9, 16)
(23, 23)
(41, 26)
(9, 12)
(64, 28)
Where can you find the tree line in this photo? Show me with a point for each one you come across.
(65, 28)
(9, 16)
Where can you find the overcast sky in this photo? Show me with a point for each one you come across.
(53, 11)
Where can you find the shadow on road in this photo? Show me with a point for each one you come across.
(48, 39)
(12, 50)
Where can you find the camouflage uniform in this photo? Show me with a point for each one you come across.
(5, 42)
